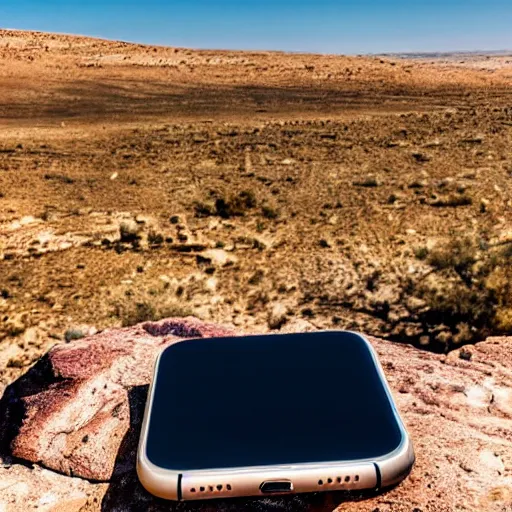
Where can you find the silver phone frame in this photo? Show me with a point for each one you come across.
(377, 473)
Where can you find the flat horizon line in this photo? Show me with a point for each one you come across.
(405, 53)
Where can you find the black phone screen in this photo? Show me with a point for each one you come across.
(266, 400)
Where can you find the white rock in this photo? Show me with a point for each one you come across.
(277, 316)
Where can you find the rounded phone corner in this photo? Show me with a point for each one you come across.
(157, 481)
(396, 466)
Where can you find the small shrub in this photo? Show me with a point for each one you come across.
(226, 207)
(504, 320)
(257, 277)
(203, 209)
(235, 206)
(421, 253)
(155, 238)
(147, 312)
(459, 254)
(247, 198)
(140, 312)
(175, 311)
(62, 178)
(269, 213)
(469, 293)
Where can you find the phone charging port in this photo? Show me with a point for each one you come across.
(276, 487)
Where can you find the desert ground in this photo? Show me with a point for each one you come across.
(248, 188)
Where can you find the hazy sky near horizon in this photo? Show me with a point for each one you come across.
(327, 26)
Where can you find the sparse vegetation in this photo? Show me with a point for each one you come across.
(61, 178)
(269, 213)
(232, 206)
(236, 205)
(151, 312)
(470, 292)
(257, 277)
(203, 209)
(350, 199)
(421, 252)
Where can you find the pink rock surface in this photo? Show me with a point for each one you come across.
(83, 404)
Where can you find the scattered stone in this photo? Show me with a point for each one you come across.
(468, 175)
(188, 247)
(418, 184)
(143, 219)
(16, 325)
(368, 182)
(217, 258)
(421, 157)
(183, 233)
(277, 316)
(79, 332)
(432, 144)
(298, 325)
(451, 200)
(477, 139)
(465, 353)
(484, 204)
(446, 182)
(393, 198)
(248, 162)
(397, 144)
(129, 231)
(31, 337)
(415, 304)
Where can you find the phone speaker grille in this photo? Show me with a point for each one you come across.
(208, 489)
(338, 480)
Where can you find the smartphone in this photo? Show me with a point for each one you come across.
(270, 414)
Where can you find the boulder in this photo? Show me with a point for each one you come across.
(75, 410)
(69, 427)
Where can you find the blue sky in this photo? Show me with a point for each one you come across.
(329, 26)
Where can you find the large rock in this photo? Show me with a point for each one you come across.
(77, 413)
(76, 410)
